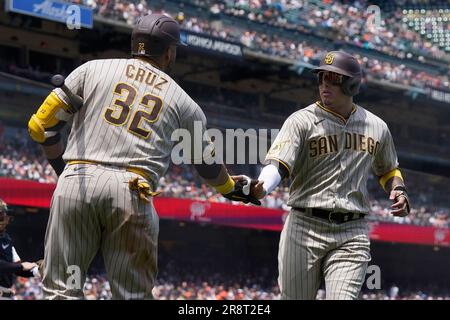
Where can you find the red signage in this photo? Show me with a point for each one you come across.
(34, 194)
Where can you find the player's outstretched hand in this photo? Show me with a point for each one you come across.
(27, 266)
(241, 191)
(256, 187)
(400, 208)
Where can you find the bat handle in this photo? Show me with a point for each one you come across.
(75, 100)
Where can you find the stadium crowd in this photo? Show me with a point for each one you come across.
(395, 39)
(174, 287)
(347, 22)
(22, 159)
(226, 279)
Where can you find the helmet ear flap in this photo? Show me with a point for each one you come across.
(350, 86)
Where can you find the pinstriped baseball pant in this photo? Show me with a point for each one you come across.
(312, 250)
(93, 208)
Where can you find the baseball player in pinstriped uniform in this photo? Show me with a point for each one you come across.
(328, 149)
(118, 148)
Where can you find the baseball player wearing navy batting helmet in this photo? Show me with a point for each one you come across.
(329, 149)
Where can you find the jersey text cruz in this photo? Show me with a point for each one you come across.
(145, 76)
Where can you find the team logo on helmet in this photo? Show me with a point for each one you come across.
(141, 48)
(329, 58)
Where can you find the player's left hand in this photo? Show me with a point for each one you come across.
(400, 208)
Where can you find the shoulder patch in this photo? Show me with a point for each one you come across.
(277, 147)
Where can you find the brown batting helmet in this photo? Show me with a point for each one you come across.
(345, 64)
(153, 33)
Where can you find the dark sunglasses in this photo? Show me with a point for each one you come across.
(333, 78)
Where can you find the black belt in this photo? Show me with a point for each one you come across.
(333, 216)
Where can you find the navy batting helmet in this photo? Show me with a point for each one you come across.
(345, 64)
(153, 33)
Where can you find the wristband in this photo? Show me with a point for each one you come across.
(399, 188)
(226, 187)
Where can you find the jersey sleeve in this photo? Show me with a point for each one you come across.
(74, 82)
(200, 147)
(288, 143)
(385, 159)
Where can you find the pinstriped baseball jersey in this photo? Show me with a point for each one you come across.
(130, 111)
(329, 158)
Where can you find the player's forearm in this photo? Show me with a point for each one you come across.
(9, 267)
(14, 268)
(216, 175)
(54, 151)
(54, 155)
(270, 176)
(395, 182)
(221, 178)
(391, 180)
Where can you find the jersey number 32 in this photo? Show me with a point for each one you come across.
(119, 113)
